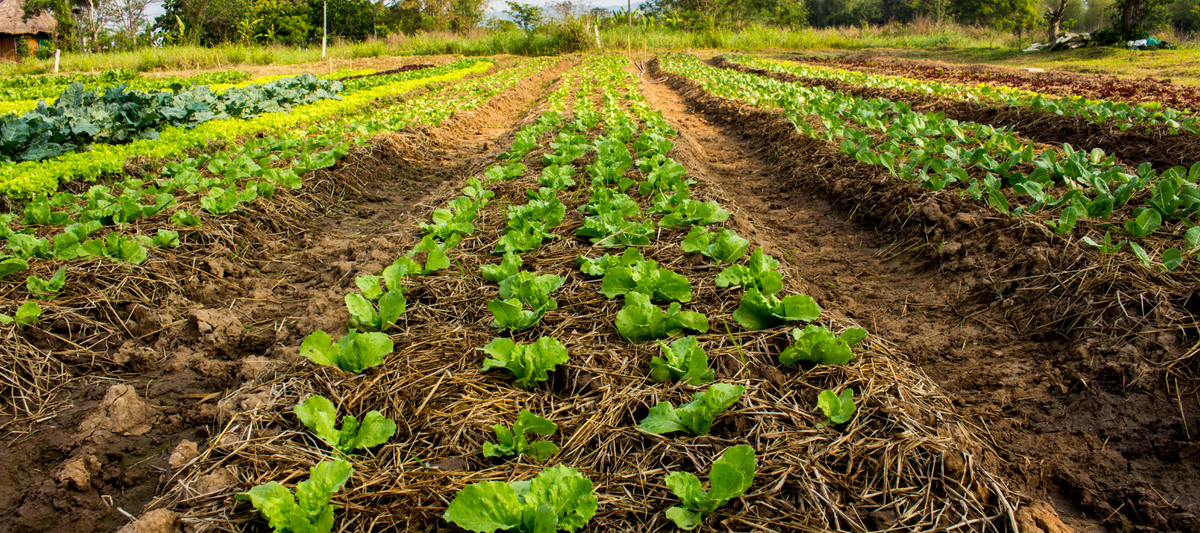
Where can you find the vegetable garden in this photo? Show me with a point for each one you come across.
(585, 294)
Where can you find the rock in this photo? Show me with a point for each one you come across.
(1039, 517)
(77, 472)
(120, 412)
(156, 521)
(453, 464)
(183, 454)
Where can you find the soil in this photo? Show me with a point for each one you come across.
(226, 307)
(1065, 84)
(1155, 145)
(1078, 420)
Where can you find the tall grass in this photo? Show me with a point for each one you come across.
(545, 41)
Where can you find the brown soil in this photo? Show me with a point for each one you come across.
(170, 337)
(1078, 418)
(1057, 83)
(1132, 147)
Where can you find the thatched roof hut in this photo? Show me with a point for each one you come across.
(14, 27)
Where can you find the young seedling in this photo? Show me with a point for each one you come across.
(515, 441)
(729, 477)
(309, 510)
(838, 408)
(683, 359)
(816, 344)
(531, 363)
(696, 417)
(320, 416)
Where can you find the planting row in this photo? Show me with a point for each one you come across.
(1120, 114)
(100, 222)
(984, 161)
(33, 178)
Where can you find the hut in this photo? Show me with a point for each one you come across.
(37, 31)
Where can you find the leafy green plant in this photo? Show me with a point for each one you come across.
(639, 320)
(28, 314)
(117, 247)
(529, 362)
(309, 510)
(1108, 247)
(758, 311)
(524, 300)
(614, 229)
(47, 288)
(516, 442)
(758, 273)
(683, 359)
(725, 246)
(319, 415)
(696, 417)
(838, 408)
(364, 316)
(683, 211)
(509, 266)
(557, 499)
(12, 265)
(729, 476)
(164, 238)
(354, 352)
(504, 173)
(1144, 223)
(600, 265)
(185, 218)
(221, 201)
(558, 177)
(816, 344)
(647, 278)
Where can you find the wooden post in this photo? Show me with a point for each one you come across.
(57, 51)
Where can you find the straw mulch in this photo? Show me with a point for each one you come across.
(905, 462)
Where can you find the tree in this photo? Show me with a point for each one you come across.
(65, 27)
(1054, 17)
(204, 22)
(1132, 16)
(466, 14)
(127, 16)
(526, 16)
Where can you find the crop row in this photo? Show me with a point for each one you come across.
(67, 226)
(33, 178)
(1120, 114)
(985, 162)
(560, 497)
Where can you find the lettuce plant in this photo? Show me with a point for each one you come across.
(816, 344)
(696, 417)
(509, 266)
(640, 320)
(531, 363)
(28, 314)
(683, 359)
(115, 246)
(354, 352)
(363, 314)
(320, 416)
(759, 273)
(12, 265)
(613, 229)
(647, 278)
(309, 510)
(600, 265)
(838, 408)
(524, 300)
(47, 288)
(729, 476)
(504, 173)
(516, 442)
(558, 499)
(683, 211)
(558, 177)
(725, 246)
(184, 218)
(758, 311)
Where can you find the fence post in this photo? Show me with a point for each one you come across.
(57, 51)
